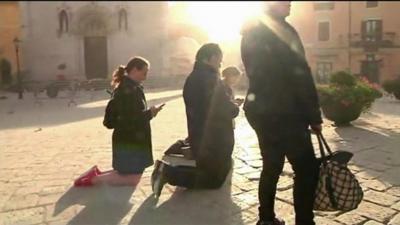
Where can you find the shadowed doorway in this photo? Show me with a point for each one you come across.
(95, 57)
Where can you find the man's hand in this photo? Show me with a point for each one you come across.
(239, 101)
(316, 128)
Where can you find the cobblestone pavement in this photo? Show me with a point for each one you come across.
(43, 147)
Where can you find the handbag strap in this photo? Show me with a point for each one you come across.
(322, 146)
(325, 144)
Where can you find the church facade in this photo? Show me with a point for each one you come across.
(88, 40)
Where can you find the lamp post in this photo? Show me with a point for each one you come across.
(19, 81)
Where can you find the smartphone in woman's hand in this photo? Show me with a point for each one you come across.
(161, 106)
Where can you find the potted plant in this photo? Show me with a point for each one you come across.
(346, 97)
(392, 87)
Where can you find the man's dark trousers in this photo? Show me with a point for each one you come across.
(281, 136)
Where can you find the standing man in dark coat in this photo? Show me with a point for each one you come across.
(281, 104)
(209, 113)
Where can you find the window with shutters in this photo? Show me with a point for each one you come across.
(324, 69)
(370, 68)
(324, 5)
(371, 30)
(323, 31)
(372, 4)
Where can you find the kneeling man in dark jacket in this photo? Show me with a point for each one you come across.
(209, 113)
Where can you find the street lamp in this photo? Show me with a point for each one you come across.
(19, 82)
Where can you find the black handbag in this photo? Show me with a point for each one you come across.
(338, 188)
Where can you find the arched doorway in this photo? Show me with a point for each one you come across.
(94, 26)
(95, 51)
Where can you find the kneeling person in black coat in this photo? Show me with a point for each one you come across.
(209, 112)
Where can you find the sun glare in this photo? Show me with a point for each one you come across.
(221, 20)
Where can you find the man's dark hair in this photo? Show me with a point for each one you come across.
(207, 51)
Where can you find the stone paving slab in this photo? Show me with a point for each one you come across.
(44, 150)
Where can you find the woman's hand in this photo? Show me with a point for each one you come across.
(155, 109)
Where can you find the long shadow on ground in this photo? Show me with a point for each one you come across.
(195, 207)
(375, 150)
(102, 205)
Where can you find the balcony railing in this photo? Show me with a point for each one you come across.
(374, 42)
